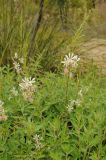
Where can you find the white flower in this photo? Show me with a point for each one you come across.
(17, 67)
(28, 88)
(27, 83)
(70, 108)
(72, 104)
(17, 63)
(71, 60)
(37, 139)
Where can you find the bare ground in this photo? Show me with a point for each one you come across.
(95, 50)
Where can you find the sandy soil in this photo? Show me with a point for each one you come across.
(95, 50)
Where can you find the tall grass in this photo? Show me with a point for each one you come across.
(16, 24)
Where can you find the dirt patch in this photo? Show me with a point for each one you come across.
(95, 50)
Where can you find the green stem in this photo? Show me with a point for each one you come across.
(67, 87)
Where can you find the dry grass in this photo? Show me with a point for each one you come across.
(97, 22)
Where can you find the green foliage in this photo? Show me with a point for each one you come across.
(79, 134)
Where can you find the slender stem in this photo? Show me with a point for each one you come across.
(35, 28)
(67, 85)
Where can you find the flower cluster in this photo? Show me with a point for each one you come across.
(3, 116)
(17, 62)
(72, 104)
(70, 62)
(37, 139)
(28, 88)
(76, 103)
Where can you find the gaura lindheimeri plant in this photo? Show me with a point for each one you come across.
(17, 63)
(3, 116)
(28, 88)
(17, 67)
(70, 62)
(72, 104)
(37, 140)
(78, 101)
